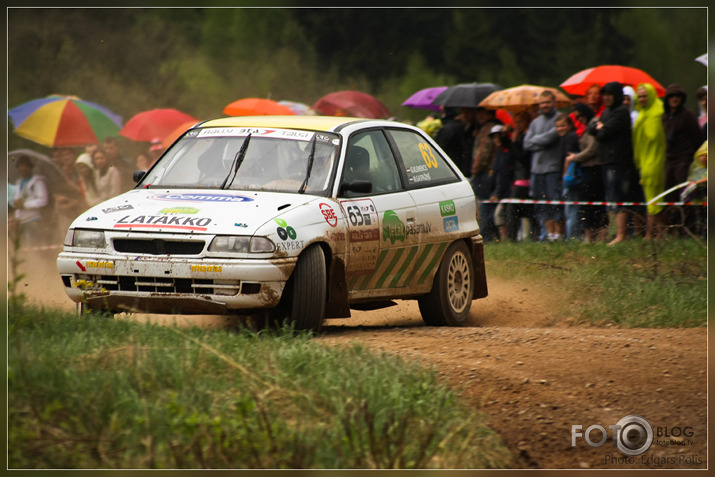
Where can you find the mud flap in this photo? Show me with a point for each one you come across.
(480, 273)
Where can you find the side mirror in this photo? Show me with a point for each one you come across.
(361, 187)
(138, 175)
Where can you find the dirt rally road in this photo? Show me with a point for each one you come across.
(533, 372)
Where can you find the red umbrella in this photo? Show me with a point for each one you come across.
(257, 107)
(351, 103)
(600, 75)
(154, 124)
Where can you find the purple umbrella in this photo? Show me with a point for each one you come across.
(424, 97)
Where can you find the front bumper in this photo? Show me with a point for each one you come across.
(174, 285)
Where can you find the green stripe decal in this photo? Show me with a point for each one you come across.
(390, 267)
(437, 256)
(364, 284)
(405, 265)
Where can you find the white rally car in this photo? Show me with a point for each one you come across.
(297, 216)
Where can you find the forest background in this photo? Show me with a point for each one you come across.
(198, 60)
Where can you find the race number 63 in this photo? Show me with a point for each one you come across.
(428, 155)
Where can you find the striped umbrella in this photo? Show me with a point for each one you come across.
(64, 121)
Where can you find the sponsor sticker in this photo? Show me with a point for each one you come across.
(163, 222)
(393, 229)
(329, 214)
(285, 231)
(451, 224)
(257, 132)
(118, 208)
(207, 268)
(447, 207)
(179, 210)
(202, 197)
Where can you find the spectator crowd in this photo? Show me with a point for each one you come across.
(619, 146)
(616, 145)
(39, 213)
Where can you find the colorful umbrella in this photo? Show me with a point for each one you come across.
(351, 103)
(257, 107)
(466, 95)
(64, 121)
(175, 134)
(424, 99)
(301, 109)
(600, 75)
(154, 124)
(522, 98)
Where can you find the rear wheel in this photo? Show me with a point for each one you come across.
(309, 282)
(450, 299)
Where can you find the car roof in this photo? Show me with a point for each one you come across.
(319, 123)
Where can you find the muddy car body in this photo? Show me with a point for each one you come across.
(298, 217)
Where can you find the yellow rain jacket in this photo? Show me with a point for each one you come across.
(649, 147)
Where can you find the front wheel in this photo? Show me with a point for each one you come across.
(309, 282)
(449, 300)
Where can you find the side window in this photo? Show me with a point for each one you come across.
(424, 166)
(369, 158)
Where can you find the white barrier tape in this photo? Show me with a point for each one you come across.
(574, 202)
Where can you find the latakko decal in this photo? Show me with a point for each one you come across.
(163, 222)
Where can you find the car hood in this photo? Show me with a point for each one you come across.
(191, 211)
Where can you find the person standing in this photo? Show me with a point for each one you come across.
(108, 180)
(484, 152)
(569, 144)
(542, 141)
(613, 133)
(521, 186)
(702, 95)
(123, 166)
(629, 99)
(452, 139)
(649, 154)
(31, 203)
(503, 177)
(87, 180)
(594, 218)
(683, 137)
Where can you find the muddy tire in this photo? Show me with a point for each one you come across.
(448, 303)
(309, 282)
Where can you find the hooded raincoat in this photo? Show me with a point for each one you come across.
(649, 147)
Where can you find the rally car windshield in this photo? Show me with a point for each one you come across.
(248, 159)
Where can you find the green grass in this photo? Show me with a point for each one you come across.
(633, 284)
(91, 392)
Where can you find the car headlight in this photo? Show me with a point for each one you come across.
(85, 238)
(241, 244)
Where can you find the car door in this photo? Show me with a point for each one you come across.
(445, 204)
(381, 249)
